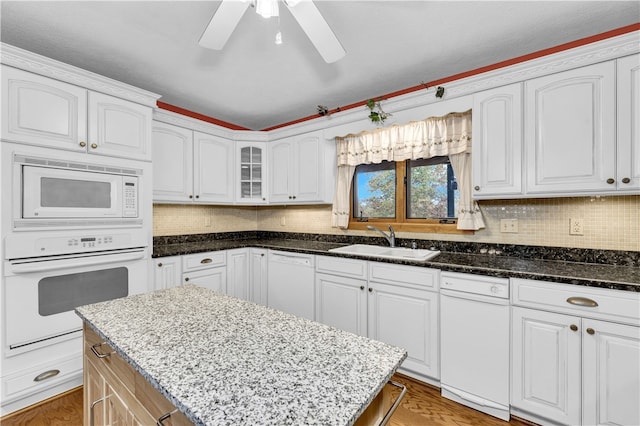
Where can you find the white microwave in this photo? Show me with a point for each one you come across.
(55, 190)
(51, 193)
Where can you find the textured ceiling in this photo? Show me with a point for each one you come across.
(390, 45)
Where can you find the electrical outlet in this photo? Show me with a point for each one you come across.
(207, 221)
(283, 222)
(575, 227)
(509, 226)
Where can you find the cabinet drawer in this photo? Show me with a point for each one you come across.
(476, 284)
(194, 262)
(341, 266)
(612, 305)
(41, 377)
(404, 274)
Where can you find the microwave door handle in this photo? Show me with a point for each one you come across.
(74, 262)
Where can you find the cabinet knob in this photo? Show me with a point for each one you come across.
(197, 196)
(94, 145)
(611, 181)
(370, 290)
(626, 180)
(261, 254)
(289, 196)
(477, 188)
(83, 144)
(264, 199)
(361, 287)
(190, 196)
(590, 331)
(160, 265)
(573, 327)
(294, 197)
(186, 279)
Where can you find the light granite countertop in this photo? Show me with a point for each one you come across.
(225, 361)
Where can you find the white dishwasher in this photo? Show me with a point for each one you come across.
(475, 330)
(291, 283)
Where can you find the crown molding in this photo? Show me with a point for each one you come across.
(38, 64)
(600, 51)
(190, 123)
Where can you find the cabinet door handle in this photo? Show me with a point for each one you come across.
(582, 301)
(97, 353)
(186, 279)
(197, 196)
(396, 403)
(164, 417)
(626, 180)
(94, 145)
(160, 265)
(361, 287)
(590, 331)
(573, 327)
(191, 196)
(92, 409)
(611, 181)
(46, 375)
(82, 144)
(370, 290)
(477, 188)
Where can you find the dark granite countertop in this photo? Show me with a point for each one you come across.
(621, 273)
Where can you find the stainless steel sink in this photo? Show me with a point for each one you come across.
(402, 253)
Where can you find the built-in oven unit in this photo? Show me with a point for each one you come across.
(76, 229)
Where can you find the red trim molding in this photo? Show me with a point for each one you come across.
(188, 113)
(540, 53)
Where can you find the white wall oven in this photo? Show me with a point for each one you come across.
(76, 230)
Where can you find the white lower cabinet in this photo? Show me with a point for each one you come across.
(238, 283)
(167, 272)
(568, 367)
(396, 304)
(258, 275)
(206, 270)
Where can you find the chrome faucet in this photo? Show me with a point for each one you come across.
(391, 238)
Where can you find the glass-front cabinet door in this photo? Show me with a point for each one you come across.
(252, 180)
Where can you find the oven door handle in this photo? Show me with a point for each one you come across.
(75, 262)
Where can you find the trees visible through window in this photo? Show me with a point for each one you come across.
(408, 191)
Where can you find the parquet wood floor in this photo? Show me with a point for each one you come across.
(422, 405)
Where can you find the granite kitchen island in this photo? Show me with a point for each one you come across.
(223, 361)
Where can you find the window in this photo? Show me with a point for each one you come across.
(411, 195)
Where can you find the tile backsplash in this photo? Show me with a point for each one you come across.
(609, 223)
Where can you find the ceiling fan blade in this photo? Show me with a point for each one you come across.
(223, 23)
(317, 29)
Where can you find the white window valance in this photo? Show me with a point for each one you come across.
(435, 136)
(449, 135)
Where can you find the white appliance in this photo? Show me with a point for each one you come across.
(475, 330)
(76, 229)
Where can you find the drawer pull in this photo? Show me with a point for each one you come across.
(573, 327)
(97, 353)
(396, 403)
(46, 375)
(164, 417)
(207, 260)
(590, 331)
(582, 301)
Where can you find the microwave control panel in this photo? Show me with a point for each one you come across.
(130, 197)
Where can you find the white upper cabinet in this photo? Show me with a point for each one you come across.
(570, 133)
(497, 142)
(42, 111)
(251, 172)
(172, 163)
(300, 171)
(628, 170)
(212, 169)
(191, 167)
(119, 128)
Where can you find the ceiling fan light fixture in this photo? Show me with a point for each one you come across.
(267, 8)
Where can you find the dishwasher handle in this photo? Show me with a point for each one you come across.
(292, 260)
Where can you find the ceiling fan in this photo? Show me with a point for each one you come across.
(229, 12)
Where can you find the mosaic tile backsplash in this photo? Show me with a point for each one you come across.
(609, 223)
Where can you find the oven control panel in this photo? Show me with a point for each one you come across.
(78, 244)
